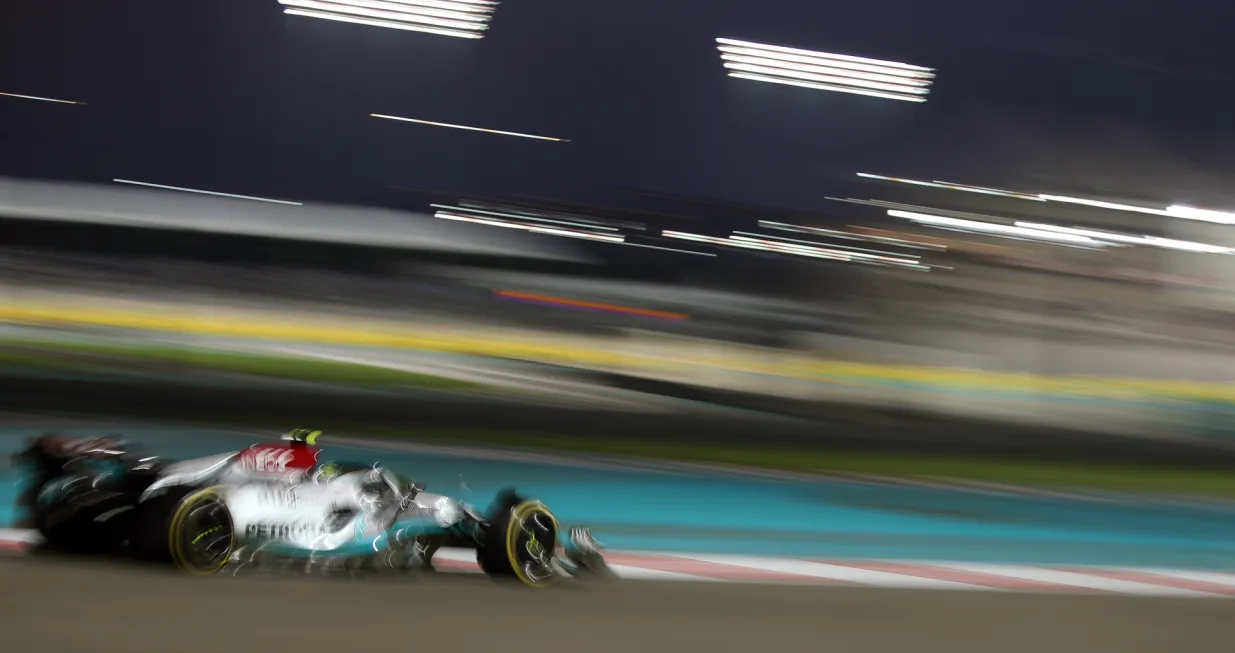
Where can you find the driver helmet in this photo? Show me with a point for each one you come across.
(327, 472)
(302, 436)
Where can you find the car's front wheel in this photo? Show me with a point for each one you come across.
(520, 543)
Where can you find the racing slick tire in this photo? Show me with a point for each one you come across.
(189, 528)
(520, 543)
(78, 523)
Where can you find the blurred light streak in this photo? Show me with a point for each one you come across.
(965, 216)
(497, 214)
(207, 192)
(1036, 229)
(995, 229)
(492, 223)
(477, 129)
(1148, 241)
(909, 258)
(825, 71)
(1176, 211)
(789, 248)
(509, 218)
(915, 208)
(529, 227)
(821, 78)
(364, 10)
(825, 87)
(786, 248)
(41, 99)
(1106, 205)
(794, 248)
(936, 243)
(595, 306)
(670, 249)
(951, 186)
(458, 18)
(575, 234)
(1107, 237)
(798, 54)
(725, 242)
(463, 13)
(923, 242)
(832, 70)
(832, 233)
(381, 23)
(521, 211)
(1206, 215)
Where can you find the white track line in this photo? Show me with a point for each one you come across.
(1076, 579)
(464, 560)
(863, 573)
(821, 570)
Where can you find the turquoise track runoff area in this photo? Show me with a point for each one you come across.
(634, 508)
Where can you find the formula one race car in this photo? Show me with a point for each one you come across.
(276, 501)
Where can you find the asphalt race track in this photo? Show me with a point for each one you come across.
(54, 606)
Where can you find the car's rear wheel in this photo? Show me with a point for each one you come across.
(72, 517)
(191, 529)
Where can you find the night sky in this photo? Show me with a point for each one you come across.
(235, 96)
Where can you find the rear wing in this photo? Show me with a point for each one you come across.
(49, 447)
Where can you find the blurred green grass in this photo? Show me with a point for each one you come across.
(82, 356)
(138, 357)
(1031, 473)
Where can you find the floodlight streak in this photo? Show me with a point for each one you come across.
(992, 228)
(1150, 241)
(520, 217)
(823, 250)
(400, 16)
(789, 61)
(520, 212)
(478, 129)
(825, 71)
(206, 192)
(471, 14)
(530, 228)
(575, 234)
(492, 223)
(384, 23)
(821, 55)
(765, 247)
(1106, 205)
(826, 79)
(899, 83)
(1206, 215)
(828, 246)
(827, 87)
(456, 5)
(670, 249)
(952, 186)
(41, 99)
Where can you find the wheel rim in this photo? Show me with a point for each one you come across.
(531, 544)
(206, 536)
